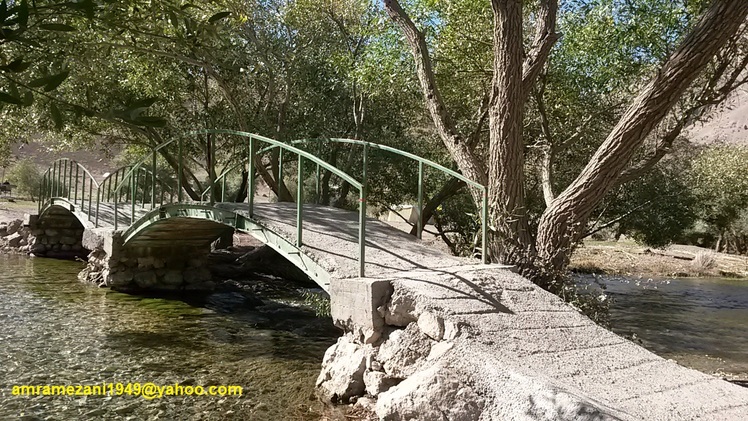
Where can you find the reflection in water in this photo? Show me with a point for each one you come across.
(702, 323)
(55, 330)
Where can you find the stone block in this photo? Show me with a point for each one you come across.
(343, 367)
(119, 279)
(145, 262)
(30, 220)
(432, 325)
(172, 277)
(196, 275)
(93, 239)
(51, 232)
(68, 240)
(14, 240)
(377, 382)
(37, 249)
(355, 303)
(14, 226)
(65, 247)
(146, 280)
(403, 350)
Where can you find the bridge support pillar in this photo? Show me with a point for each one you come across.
(139, 269)
(356, 306)
(58, 234)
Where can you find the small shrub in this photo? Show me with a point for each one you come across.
(26, 176)
(703, 262)
(319, 301)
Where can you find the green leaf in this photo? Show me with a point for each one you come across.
(56, 115)
(22, 14)
(28, 99)
(150, 121)
(60, 27)
(218, 16)
(15, 66)
(3, 11)
(4, 97)
(56, 80)
(143, 103)
(36, 83)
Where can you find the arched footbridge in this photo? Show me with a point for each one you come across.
(147, 205)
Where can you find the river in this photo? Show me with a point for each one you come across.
(701, 323)
(57, 330)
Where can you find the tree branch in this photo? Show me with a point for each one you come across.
(466, 160)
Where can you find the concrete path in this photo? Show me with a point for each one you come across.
(331, 236)
(525, 351)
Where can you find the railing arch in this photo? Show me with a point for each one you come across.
(422, 162)
(252, 152)
(67, 178)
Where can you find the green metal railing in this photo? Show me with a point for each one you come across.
(253, 141)
(138, 179)
(361, 186)
(422, 162)
(69, 180)
(138, 184)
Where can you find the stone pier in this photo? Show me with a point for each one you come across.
(58, 235)
(138, 268)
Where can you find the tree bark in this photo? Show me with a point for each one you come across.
(563, 222)
(511, 240)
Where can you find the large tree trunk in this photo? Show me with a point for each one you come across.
(562, 224)
(510, 237)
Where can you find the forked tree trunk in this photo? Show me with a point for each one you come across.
(562, 224)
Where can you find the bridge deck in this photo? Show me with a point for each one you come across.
(331, 236)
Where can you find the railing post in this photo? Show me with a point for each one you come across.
(317, 185)
(299, 201)
(280, 171)
(98, 202)
(251, 178)
(109, 186)
(179, 173)
(65, 186)
(153, 180)
(484, 226)
(77, 171)
(72, 164)
(53, 187)
(83, 197)
(90, 199)
(419, 225)
(223, 188)
(362, 215)
(133, 191)
(212, 168)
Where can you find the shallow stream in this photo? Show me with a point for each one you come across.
(701, 323)
(57, 330)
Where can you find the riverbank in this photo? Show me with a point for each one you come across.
(676, 261)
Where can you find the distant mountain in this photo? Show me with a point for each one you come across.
(727, 123)
(94, 159)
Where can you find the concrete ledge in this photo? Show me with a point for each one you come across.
(355, 306)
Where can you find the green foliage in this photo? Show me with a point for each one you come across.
(656, 209)
(26, 176)
(319, 301)
(720, 181)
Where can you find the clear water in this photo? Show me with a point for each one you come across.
(56, 330)
(701, 323)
